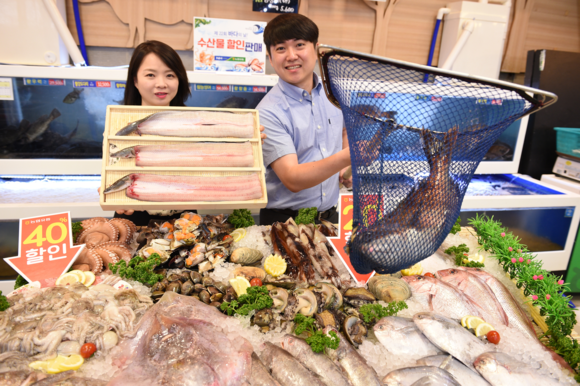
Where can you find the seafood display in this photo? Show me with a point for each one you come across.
(220, 314)
(200, 154)
(215, 124)
(164, 188)
(106, 241)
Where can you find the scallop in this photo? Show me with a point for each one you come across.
(246, 256)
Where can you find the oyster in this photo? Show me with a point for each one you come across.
(388, 288)
(358, 296)
(246, 256)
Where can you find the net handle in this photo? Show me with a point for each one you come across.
(540, 99)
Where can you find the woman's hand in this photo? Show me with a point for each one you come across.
(262, 135)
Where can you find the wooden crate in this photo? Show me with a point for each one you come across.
(120, 116)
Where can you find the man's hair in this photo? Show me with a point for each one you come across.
(290, 26)
(171, 60)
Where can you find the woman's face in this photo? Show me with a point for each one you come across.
(156, 82)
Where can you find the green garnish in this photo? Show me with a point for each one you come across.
(77, 228)
(375, 311)
(317, 340)
(460, 253)
(138, 269)
(241, 218)
(456, 227)
(3, 302)
(306, 215)
(20, 281)
(256, 298)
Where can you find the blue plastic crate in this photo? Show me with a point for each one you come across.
(568, 141)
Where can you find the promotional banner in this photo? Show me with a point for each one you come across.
(275, 6)
(345, 207)
(45, 247)
(222, 45)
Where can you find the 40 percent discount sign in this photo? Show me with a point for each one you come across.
(45, 248)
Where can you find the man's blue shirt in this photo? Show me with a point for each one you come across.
(307, 125)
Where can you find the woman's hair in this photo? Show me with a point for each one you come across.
(290, 26)
(171, 60)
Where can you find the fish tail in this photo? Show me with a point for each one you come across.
(55, 113)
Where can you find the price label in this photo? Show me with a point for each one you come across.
(345, 208)
(45, 248)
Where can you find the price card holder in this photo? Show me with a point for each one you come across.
(45, 248)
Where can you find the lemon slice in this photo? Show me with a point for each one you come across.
(73, 362)
(68, 278)
(417, 269)
(275, 265)
(483, 329)
(464, 320)
(240, 284)
(89, 278)
(39, 365)
(239, 234)
(473, 322)
(477, 258)
(80, 274)
(52, 367)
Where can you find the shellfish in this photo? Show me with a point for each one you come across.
(246, 256)
(388, 288)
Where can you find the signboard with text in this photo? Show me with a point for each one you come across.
(222, 45)
(275, 6)
(345, 208)
(45, 248)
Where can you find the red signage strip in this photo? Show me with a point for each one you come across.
(45, 247)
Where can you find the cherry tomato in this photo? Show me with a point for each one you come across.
(429, 274)
(227, 238)
(88, 349)
(493, 337)
(255, 282)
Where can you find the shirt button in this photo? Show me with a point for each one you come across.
(300, 100)
(318, 126)
(324, 194)
(323, 149)
(312, 103)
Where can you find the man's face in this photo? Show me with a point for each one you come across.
(294, 62)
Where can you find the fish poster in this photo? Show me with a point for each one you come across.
(222, 45)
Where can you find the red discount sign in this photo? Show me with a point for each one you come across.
(345, 207)
(45, 248)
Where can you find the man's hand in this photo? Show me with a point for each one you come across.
(262, 135)
(346, 180)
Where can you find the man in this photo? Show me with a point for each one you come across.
(307, 146)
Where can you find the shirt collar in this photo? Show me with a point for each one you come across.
(296, 92)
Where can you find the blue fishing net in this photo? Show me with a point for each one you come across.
(414, 147)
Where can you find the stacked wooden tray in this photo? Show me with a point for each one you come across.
(120, 116)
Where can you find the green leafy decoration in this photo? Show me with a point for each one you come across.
(3, 302)
(256, 298)
(241, 218)
(373, 312)
(139, 269)
(306, 215)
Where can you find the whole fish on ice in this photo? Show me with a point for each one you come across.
(214, 124)
(201, 154)
(401, 336)
(409, 375)
(286, 369)
(260, 374)
(462, 373)
(170, 188)
(450, 337)
(502, 370)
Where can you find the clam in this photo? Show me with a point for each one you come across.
(157, 295)
(326, 318)
(221, 286)
(216, 297)
(159, 286)
(165, 281)
(250, 273)
(212, 290)
(354, 330)
(358, 296)
(207, 281)
(215, 304)
(306, 301)
(263, 317)
(204, 297)
(280, 297)
(331, 295)
(230, 294)
(198, 287)
(174, 286)
(205, 266)
(173, 277)
(388, 288)
(246, 256)
(187, 288)
(195, 277)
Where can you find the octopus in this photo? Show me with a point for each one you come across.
(107, 242)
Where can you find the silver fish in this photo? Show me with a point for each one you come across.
(502, 370)
(39, 127)
(450, 337)
(193, 124)
(402, 337)
(409, 375)
(260, 375)
(478, 290)
(441, 297)
(357, 369)
(286, 369)
(464, 375)
(319, 364)
(121, 184)
(436, 380)
(72, 96)
(128, 152)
